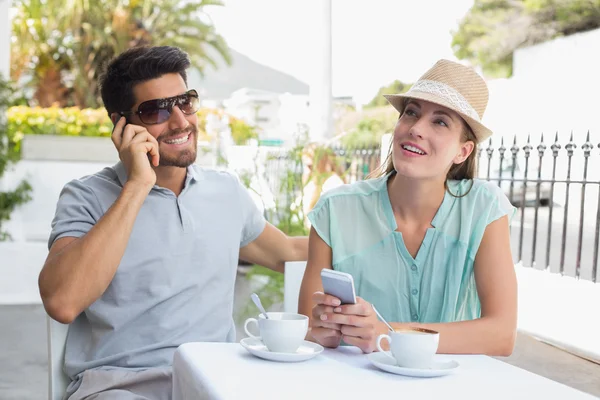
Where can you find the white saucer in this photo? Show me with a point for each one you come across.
(439, 368)
(306, 351)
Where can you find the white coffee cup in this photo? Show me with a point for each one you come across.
(282, 332)
(411, 347)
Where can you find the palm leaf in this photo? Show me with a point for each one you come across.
(78, 37)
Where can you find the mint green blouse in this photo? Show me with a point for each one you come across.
(438, 285)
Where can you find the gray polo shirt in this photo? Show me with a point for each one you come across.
(175, 282)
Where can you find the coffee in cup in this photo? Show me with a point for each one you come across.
(411, 347)
(281, 332)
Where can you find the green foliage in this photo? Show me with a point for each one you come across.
(287, 217)
(365, 129)
(271, 293)
(290, 218)
(59, 48)
(489, 33)
(395, 87)
(370, 129)
(72, 121)
(7, 153)
(566, 16)
(9, 200)
(288, 212)
(492, 30)
(241, 132)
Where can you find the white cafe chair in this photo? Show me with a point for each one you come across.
(57, 379)
(292, 280)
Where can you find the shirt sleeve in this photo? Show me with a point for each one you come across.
(320, 219)
(501, 206)
(77, 211)
(253, 220)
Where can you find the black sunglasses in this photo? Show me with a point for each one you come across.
(157, 111)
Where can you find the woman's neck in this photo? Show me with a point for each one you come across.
(415, 200)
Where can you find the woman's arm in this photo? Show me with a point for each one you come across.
(312, 301)
(495, 332)
(492, 334)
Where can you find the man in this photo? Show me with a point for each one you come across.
(143, 255)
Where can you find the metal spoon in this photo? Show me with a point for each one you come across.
(381, 318)
(256, 301)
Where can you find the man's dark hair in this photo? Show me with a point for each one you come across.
(137, 65)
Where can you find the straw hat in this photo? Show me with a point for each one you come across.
(453, 86)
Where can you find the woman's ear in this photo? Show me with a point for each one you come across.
(466, 149)
(114, 117)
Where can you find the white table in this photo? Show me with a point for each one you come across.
(228, 371)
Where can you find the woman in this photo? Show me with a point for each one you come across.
(427, 244)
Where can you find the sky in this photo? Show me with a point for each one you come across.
(373, 42)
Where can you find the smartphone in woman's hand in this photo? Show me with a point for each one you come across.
(338, 284)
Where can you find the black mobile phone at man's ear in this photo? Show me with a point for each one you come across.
(115, 117)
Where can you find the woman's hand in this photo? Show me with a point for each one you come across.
(325, 333)
(358, 323)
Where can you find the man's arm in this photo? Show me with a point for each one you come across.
(272, 248)
(77, 271)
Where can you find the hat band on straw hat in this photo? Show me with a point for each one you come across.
(447, 93)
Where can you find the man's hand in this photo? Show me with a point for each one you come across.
(358, 323)
(134, 143)
(325, 333)
(78, 271)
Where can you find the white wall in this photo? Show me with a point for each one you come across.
(49, 163)
(551, 307)
(555, 87)
(570, 58)
(267, 118)
(21, 259)
(20, 265)
(258, 108)
(31, 222)
(294, 115)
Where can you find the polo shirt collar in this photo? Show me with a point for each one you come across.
(191, 175)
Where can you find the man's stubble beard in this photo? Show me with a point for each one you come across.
(184, 158)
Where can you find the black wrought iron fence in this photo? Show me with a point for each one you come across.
(555, 187)
(557, 190)
(355, 165)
